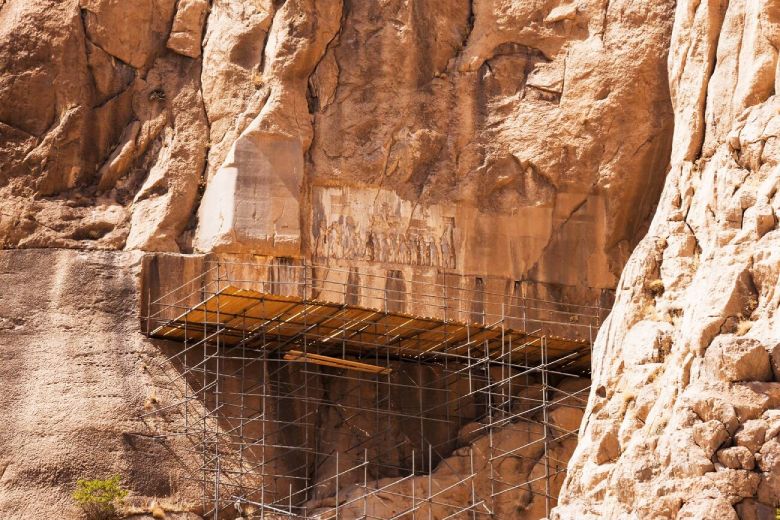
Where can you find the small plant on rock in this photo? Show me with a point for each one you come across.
(743, 327)
(99, 498)
(655, 287)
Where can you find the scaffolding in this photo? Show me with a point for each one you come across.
(310, 392)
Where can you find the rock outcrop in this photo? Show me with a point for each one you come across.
(503, 137)
(74, 382)
(103, 131)
(693, 427)
(523, 144)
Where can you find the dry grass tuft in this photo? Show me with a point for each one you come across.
(750, 305)
(743, 327)
(151, 401)
(655, 287)
(257, 79)
(157, 511)
(649, 312)
(155, 507)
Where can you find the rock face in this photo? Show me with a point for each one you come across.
(104, 133)
(74, 382)
(696, 425)
(501, 486)
(467, 137)
(520, 143)
(504, 137)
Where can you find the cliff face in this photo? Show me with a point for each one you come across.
(522, 142)
(683, 419)
(74, 380)
(485, 136)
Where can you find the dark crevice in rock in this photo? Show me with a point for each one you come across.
(713, 62)
(469, 24)
(604, 19)
(112, 98)
(192, 223)
(314, 106)
(18, 129)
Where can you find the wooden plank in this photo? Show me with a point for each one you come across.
(318, 359)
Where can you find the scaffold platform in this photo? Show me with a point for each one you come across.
(241, 315)
(302, 400)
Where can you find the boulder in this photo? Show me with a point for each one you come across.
(735, 359)
(751, 509)
(751, 435)
(736, 457)
(187, 28)
(774, 359)
(707, 508)
(769, 463)
(709, 436)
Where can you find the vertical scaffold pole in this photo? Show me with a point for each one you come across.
(263, 420)
(242, 483)
(365, 482)
(204, 422)
(546, 428)
(473, 487)
(411, 481)
(217, 468)
(430, 482)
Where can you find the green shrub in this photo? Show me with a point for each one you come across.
(98, 498)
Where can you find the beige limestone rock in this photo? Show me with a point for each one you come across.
(187, 27)
(253, 201)
(736, 457)
(233, 90)
(482, 139)
(73, 381)
(768, 461)
(117, 108)
(738, 359)
(130, 32)
(528, 140)
(750, 509)
(710, 436)
(751, 435)
(774, 359)
(700, 509)
(522, 438)
(772, 417)
(723, 287)
(481, 187)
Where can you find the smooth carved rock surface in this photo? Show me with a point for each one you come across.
(469, 158)
(714, 245)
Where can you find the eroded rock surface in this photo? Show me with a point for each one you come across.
(104, 133)
(524, 139)
(503, 137)
(75, 382)
(693, 425)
